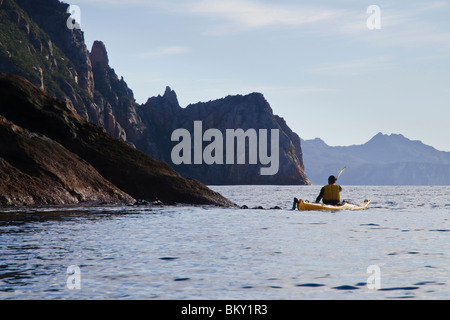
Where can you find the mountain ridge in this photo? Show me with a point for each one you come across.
(162, 115)
(384, 159)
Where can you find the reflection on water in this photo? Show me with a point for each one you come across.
(213, 253)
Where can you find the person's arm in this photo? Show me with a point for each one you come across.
(322, 191)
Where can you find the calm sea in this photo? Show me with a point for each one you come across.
(399, 248)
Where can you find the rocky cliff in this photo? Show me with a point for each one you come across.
(162, 115)
(36, 170)
(115, 101)
(50, 154)
(36, 44)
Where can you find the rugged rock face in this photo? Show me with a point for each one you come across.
(35, 43)
(162, 115)
(115, 101)
(40, 134)
(51, 16)
(36, 170)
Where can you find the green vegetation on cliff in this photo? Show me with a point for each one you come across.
(28, 51)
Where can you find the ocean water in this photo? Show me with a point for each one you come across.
(398, 249)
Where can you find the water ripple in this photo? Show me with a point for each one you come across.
(214, 253)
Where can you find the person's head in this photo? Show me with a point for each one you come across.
(332, 180)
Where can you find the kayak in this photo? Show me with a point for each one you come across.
(306, 206)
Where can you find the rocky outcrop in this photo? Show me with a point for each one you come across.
(56, 59)
(115, 101)
(39, 47)
(44, 133)
(36, 170)
(51, 16)
(162, 115)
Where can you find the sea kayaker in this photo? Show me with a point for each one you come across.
(331, 193)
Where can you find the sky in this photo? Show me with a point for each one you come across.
(319, 64)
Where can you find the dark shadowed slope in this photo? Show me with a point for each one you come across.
(35, 170)
(128, 169)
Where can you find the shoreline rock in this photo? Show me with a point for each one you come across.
(34, 114)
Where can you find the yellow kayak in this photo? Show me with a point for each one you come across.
(306, 206)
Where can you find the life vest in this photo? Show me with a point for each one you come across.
(332, 193)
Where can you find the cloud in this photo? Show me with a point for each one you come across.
(355, 67)
(406, 25)
(417, 25)
(165, 51)
(119, 2)
(233, 16)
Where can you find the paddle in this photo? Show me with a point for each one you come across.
(341, 173)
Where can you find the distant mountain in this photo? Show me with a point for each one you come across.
(36, 44)
(384, 160)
